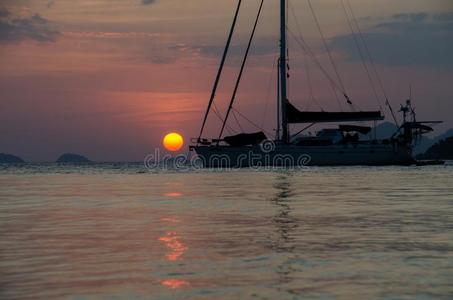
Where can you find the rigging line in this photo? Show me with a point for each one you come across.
(222, 63)
(367, 50)
(304, 46)
(237, 121)
(230, 131)
(217, 112)
(362, 57)
(233, 97)
(250, 121)
(303, 129)
(310, 86)
(370, 57)
(360, 50)
(391, 111)
(307, 50)
(271, 78)
(219, 116)
(329, 53)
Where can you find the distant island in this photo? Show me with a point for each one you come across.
(10, 159)
(441, 150)
(73, 158)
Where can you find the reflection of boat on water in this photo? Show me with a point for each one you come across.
(283, 239)
(283, 220)
(338, 146)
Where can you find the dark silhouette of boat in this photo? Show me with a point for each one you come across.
(330, 146)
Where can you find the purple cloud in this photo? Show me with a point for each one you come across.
(147, 2)
(418, 39)
(16, 29)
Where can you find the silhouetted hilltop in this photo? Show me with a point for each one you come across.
(426, 142)
(385, 130)
(441, 150)
(72, 158)
(11, 159)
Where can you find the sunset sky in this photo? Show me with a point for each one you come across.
(109, 78)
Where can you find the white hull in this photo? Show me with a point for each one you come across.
(291, 155)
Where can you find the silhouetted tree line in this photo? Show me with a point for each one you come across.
(440, 150)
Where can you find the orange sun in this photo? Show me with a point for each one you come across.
(173, 141)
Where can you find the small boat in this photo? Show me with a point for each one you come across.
(340, 146)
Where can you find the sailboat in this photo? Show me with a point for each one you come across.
(341, 146)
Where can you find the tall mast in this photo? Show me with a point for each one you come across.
(283, 71)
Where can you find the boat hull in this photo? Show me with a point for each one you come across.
(291, 155)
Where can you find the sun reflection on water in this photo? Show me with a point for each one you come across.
(175, 283)
(173, 195)
(174, 244)
(170, 220)
(176, 249)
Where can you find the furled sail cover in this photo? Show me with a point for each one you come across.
(296, 116)
(245, 139)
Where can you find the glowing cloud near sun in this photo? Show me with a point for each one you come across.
(173, 142)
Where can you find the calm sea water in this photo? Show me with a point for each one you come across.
(115, 231)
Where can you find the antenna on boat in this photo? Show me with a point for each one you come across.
(410, 91)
